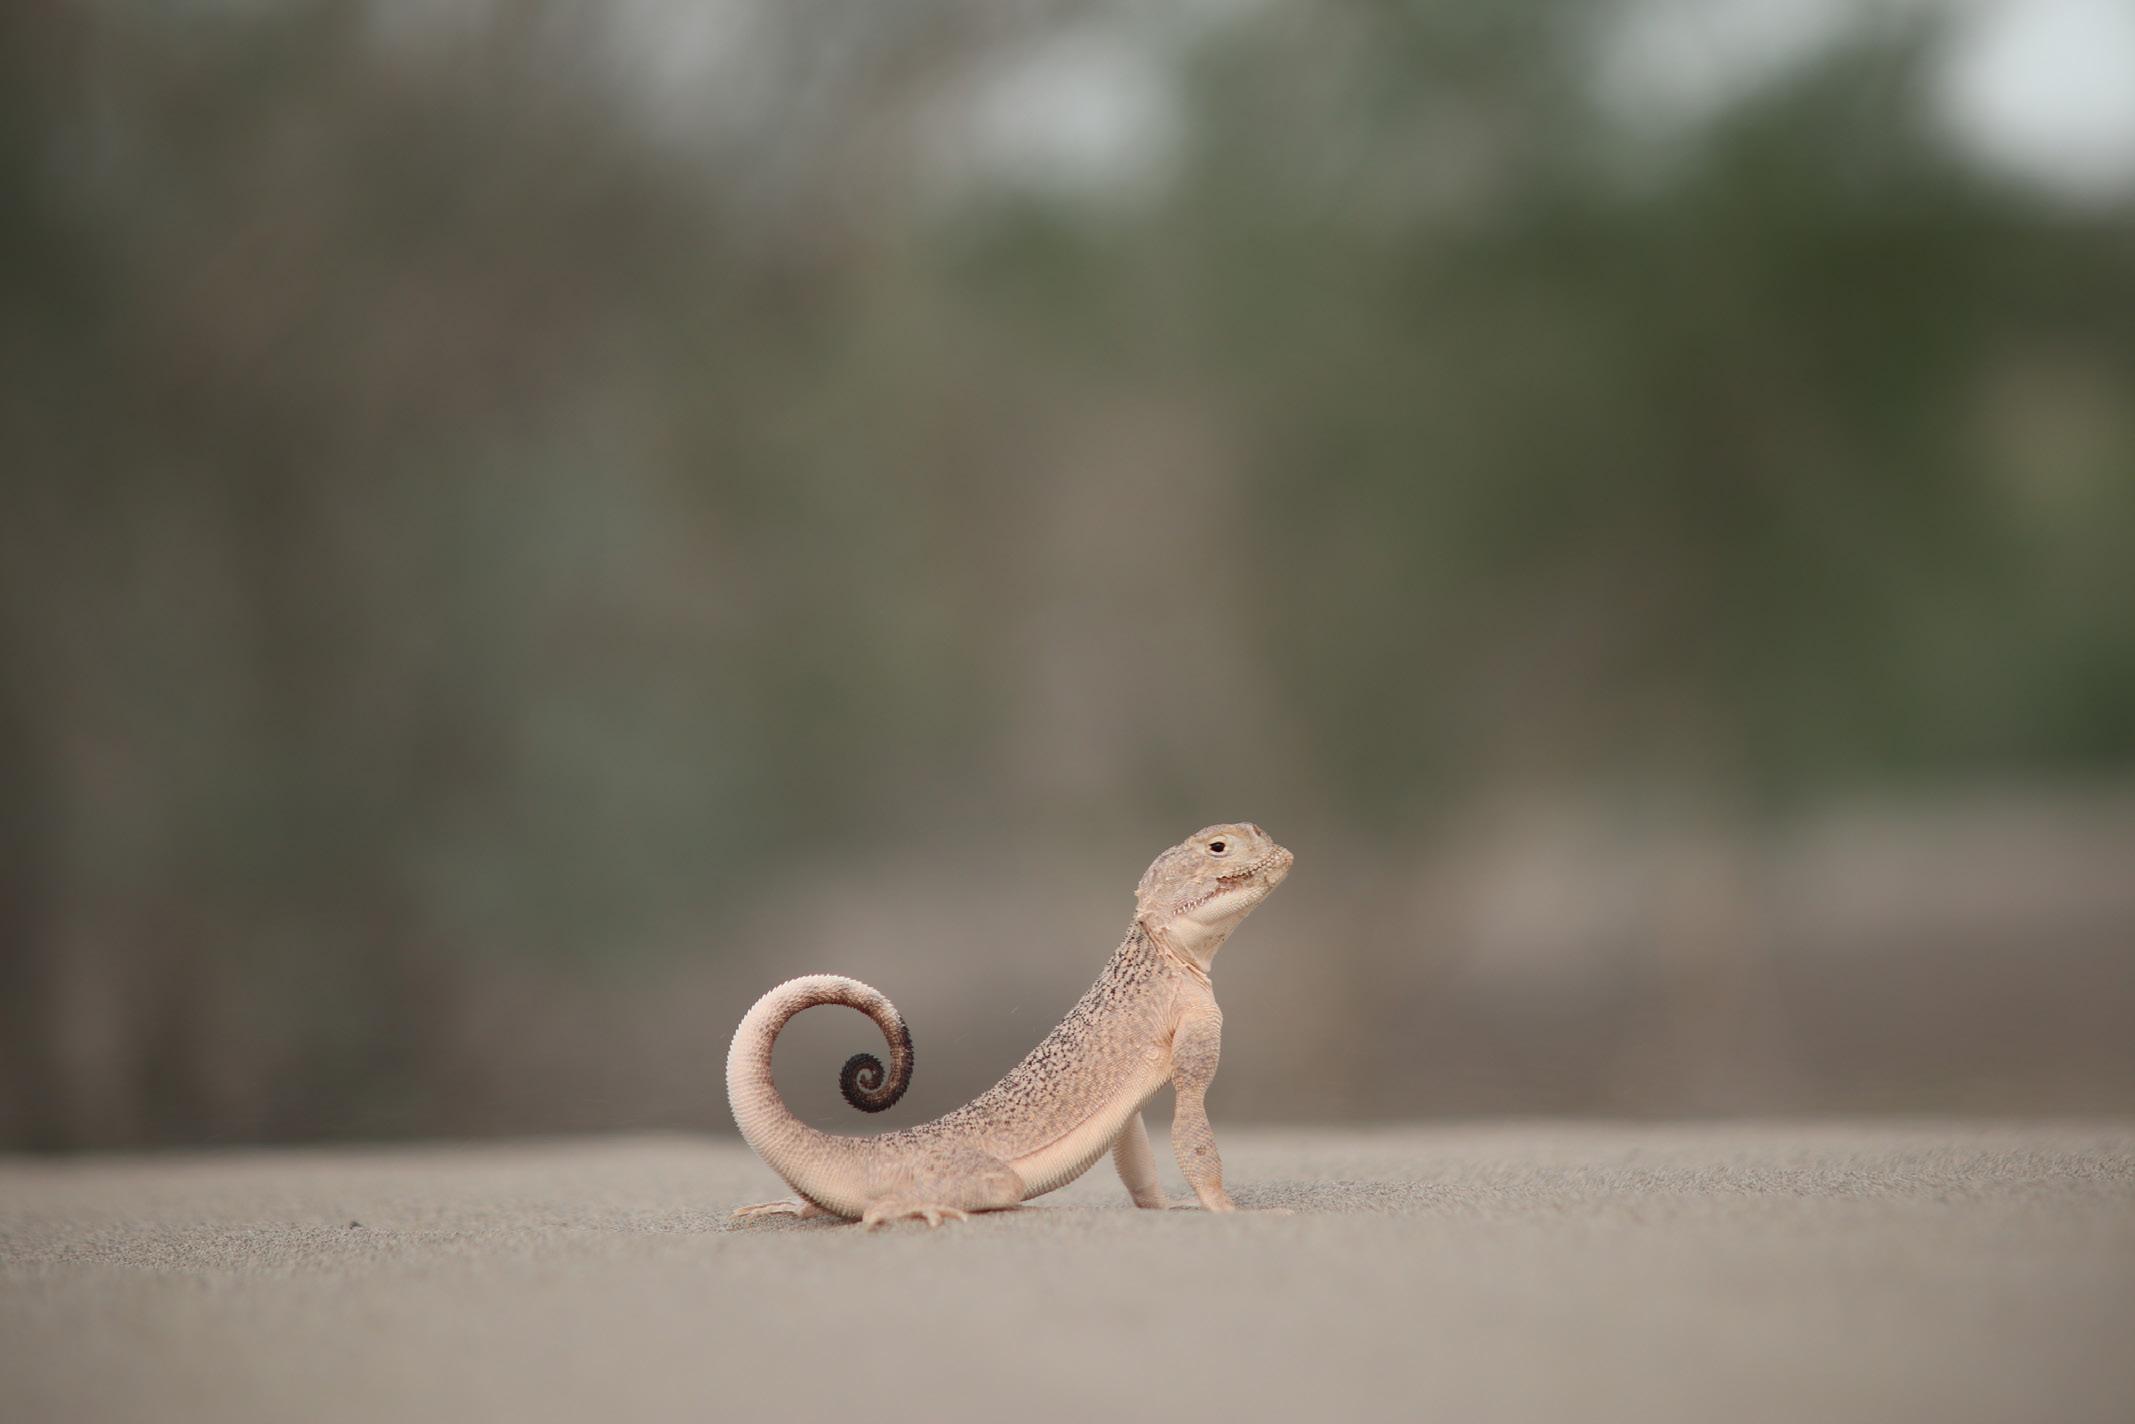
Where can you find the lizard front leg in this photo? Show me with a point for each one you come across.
(1137, 1165)
(1195, 1047)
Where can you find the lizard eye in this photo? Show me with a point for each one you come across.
(1217, 847)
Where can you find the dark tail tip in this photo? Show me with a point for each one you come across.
(866, 1086)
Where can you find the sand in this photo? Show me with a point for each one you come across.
(1517, 1271)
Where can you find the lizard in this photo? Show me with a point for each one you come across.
(1151, 1017)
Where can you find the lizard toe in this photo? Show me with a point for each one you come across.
(884, 1213)
(805, 1210)
(778, 1208)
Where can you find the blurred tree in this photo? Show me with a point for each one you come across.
(1584, 462)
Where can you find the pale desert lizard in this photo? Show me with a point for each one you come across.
(1150, 1016)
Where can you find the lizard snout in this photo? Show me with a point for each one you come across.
(1270, 868)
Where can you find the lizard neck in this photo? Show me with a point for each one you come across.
(1182, 957)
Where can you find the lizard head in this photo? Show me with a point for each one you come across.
(1193, 895)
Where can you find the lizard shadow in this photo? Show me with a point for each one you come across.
(774, 1225)
(1324, 1197)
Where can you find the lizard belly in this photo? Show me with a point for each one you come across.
(1070, 1155)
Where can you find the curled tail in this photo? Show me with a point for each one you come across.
(809, 1160)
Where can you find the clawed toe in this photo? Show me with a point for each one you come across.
(881, 1216)
(802, 1209)
(764, 1209)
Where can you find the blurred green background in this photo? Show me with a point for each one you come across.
(524, 524)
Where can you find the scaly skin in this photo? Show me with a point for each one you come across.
(1150, 1017)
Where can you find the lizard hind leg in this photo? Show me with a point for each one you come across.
(945, 1185)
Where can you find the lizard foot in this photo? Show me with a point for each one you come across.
(883, 1213)
(805, 1210)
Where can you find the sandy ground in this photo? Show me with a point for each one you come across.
(1519, 1271)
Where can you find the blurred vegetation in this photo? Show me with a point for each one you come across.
(456, 512)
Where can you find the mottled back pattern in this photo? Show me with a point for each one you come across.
(1102, 1044)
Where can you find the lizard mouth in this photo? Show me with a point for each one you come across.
(1271, 867)
(1256, 879)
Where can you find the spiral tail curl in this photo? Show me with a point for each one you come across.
(765, 1121)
